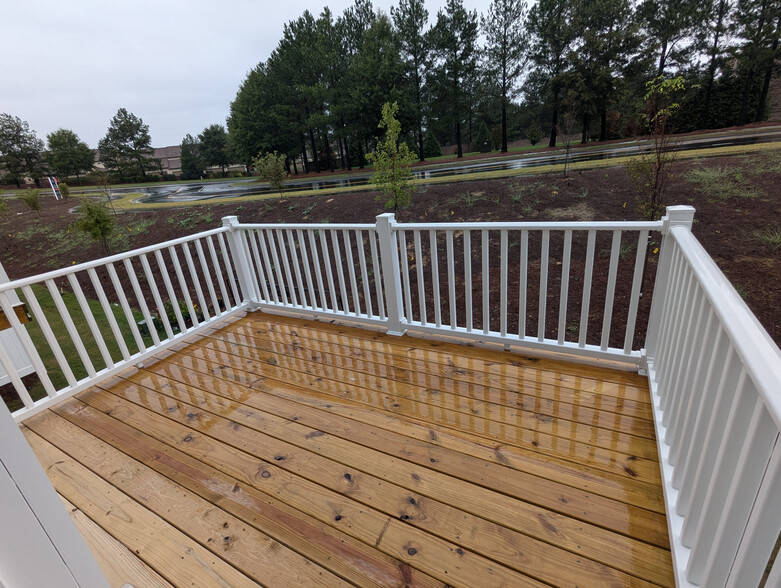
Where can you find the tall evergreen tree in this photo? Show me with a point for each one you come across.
(607, 38)
(553, 35)
(410, 19)
(756, 24)
(454, 42)
(669, 28)
(711, 40)
(127, 145)
(505, 51)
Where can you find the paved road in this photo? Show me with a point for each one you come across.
(229, 189)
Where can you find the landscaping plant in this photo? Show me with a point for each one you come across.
(392, 162)
(271, 168)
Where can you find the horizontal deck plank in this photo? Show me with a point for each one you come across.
(117, 562)
(389, 389)
(245, 548)
(466, 382)
(168, 551)
(561, 374)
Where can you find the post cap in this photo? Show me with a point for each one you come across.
(230, 221)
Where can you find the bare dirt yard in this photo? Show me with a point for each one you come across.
(737, 198)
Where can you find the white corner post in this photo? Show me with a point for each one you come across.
(241, 259)
(40, 545)
(677, 216)
(391, 272)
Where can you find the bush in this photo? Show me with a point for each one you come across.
(96, 221)
(534, 133)
(431, 147)
(32, 199)
(65, 190)
(271, 167)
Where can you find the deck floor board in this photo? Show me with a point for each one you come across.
(335, 455)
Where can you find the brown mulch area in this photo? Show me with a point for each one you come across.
(727, 228)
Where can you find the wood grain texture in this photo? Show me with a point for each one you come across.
(117, 562)
(339, 455)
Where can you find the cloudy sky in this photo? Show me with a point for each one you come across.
(177, 64)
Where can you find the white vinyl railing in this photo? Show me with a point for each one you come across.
(559, 288)
(715, 376)
(529, 284)
(96, 318)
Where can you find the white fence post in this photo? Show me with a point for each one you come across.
(676, 216)
(391, 273)
(241, 260)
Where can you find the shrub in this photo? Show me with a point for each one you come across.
(271, 167)
(65, 190)
(96, 221)
(534, 133)
(431, 147)
(32, 199)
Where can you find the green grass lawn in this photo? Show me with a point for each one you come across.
(66, 343)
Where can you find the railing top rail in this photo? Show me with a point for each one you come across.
(310, 226)
(558, 226)
(759, 354)
(53, 275)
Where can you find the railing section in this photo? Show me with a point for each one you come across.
(94, 319)
(570, 287)
(715, 375)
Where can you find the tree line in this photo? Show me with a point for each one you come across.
(559, 67)
(563, 66)
(125, 152)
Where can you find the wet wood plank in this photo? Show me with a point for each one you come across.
(355, 561)
(242, 427)
(369, 459)
(168, 551)
(117, 562)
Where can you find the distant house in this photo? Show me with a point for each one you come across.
(170, 159)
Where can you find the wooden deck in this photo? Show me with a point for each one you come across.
(284, 452)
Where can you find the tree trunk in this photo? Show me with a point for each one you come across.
(662, 59)
(295, 166)
(315, 154)
(746, 95)
(341, 151)
(420, 144)
(346, 149)
(504, 125)
(585, 129)
(705, 118)
(458, 138)
(603, 125)
(329, 160)
(360, 153)
(304, 158)
(555, 119)
(768, 74)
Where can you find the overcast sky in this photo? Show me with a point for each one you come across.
(177, 64)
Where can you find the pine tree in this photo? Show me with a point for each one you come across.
(505, 52)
